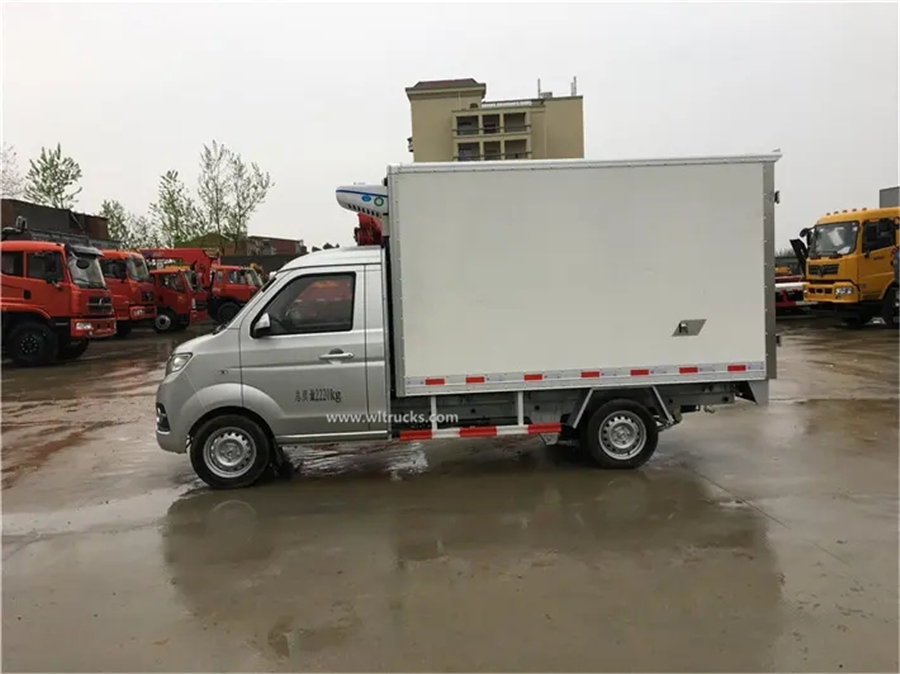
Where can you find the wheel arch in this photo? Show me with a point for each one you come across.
(233, 410)
(593, 399)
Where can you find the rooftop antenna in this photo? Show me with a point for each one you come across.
(539, 87)
(575, 86)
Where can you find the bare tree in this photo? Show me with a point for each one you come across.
(175, 214)
(214, 187)
(52, 179)
(11, 183)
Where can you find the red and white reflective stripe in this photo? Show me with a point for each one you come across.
(668, 371)
(480, 431)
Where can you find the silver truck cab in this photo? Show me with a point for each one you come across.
(303, 361)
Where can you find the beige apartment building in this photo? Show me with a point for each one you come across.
(451, 121)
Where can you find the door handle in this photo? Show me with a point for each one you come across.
(337, 354)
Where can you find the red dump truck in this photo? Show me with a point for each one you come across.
(53, 297)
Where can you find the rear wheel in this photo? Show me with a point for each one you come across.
(73, 349)
(889, 308)
(165, 321)
(227, 311)
(621, 434)
(230, 451)
(32, 343)
(123, 329)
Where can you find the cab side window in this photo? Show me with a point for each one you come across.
(232, 277)
(314, 304)
(220, 278)
(13, 264)
(42, 265)
(879, 234)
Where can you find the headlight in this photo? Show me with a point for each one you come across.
(84, 326)
(177, 361)
(193, 304)
(845, 290)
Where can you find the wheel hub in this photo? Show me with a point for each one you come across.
(622, 435)
(230, 453)
(31, 344)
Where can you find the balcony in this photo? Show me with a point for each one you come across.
(509, 129)
(492, 156)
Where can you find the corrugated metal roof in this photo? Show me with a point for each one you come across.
(446, 84)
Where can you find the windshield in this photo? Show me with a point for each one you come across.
(834, 239)
(137, 268)
(85, 271)
(193, 279)
(253, 278)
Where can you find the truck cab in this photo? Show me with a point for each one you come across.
(133, 294)
(176, 304)
(231, 288)
(849, 268)
(54, 301)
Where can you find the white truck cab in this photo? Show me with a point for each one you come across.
(493, 308)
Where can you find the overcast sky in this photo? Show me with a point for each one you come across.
(315, 93)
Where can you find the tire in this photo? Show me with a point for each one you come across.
(226, 439)
(73, 349)
(227, 311)
(165, 321)
(32, 344)
(889, 308)
(620, 434)
(857, 320)
(123, 329)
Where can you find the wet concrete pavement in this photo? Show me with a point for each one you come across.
(756, 539)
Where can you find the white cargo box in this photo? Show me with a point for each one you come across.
(547, 274)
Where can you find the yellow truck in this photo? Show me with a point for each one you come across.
(849, 258)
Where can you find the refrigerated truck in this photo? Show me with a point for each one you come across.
(501, 301)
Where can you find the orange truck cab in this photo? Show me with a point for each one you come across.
(129, 282)
(848, 257)
(176, 306)
(54, 300)
(232, 287)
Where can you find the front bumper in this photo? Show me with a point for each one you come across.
(142, 312)
(92, 328)
(840, 293)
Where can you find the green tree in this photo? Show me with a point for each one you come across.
(176, 216)
(214, 187)
(117, 221)
(145, 232)
(52, 179)
(249, 187)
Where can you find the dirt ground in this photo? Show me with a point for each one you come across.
(758, 538)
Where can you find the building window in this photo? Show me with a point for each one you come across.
(516, 149)
(514, 122)
(467, 126)
(491, 123)
(467, 152)
(492, 151)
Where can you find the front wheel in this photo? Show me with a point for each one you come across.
(32, 343)
(227, 311)
(73, 349)
(165, 321)
(230, 451)
(621, 434)
(889, 308)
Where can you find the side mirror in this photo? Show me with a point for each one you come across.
(263, 326)
(804, 232)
